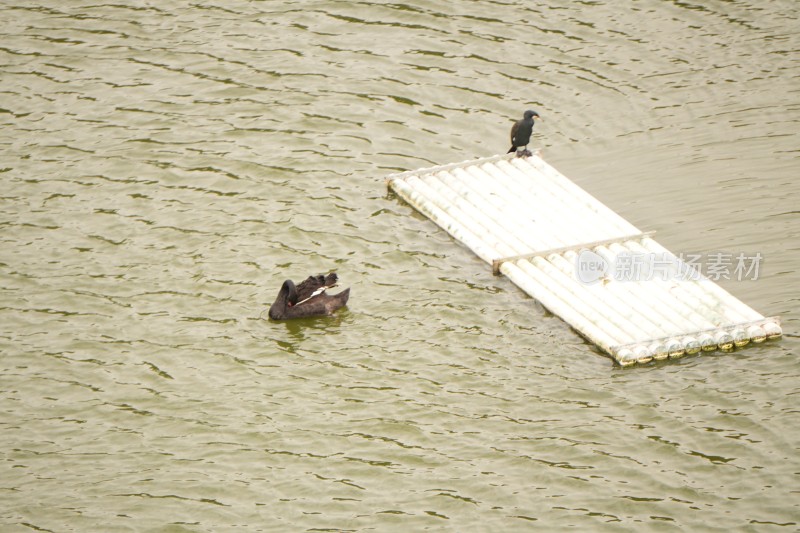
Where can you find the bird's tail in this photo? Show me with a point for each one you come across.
(511, 149)
(343, 296)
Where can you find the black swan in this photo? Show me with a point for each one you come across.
(308, 299)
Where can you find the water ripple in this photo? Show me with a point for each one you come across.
(165, 170)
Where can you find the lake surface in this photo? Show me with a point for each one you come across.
(165, 166)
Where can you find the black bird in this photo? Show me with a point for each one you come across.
(521, 132)
(308, 299)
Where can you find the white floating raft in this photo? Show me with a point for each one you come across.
(556, 242)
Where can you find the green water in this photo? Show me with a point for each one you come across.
(164, 167)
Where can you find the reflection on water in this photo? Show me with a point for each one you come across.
(165, 169)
